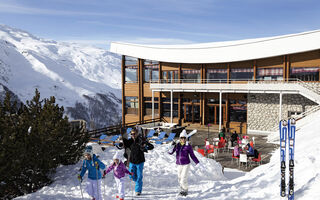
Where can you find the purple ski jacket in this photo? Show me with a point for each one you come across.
(119, 170)
(182, 154)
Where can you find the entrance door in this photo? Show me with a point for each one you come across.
(213, 114)
(192, 113)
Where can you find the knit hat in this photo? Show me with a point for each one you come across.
(116, 156)
(183, 134)
(88, 150)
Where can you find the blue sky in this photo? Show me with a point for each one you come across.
(98, 22)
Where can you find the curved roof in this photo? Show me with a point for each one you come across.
(221, 52)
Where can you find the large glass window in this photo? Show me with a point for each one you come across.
(131, 69)
(270, 74)
(151, 71)
(191, 76)
(170, 76)
(216, 75)
(241, 74)
(166, 111)
(132, 105)
(148, 106)
(305, 73)
(238, 113)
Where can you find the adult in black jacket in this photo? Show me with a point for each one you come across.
(138, 146)
(234, 137)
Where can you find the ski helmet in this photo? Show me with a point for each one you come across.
(183, 134)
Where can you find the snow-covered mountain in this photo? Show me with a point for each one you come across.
(84, 79)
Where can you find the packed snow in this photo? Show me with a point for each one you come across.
(207, 180)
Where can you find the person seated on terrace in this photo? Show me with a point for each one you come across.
(234, 137)
(221, 134)
(236, 151)
(250, 150)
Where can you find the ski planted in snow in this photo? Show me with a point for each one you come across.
(283, 129)
(291, 139)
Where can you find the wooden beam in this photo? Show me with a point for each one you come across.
(123, 75)
(255, 70)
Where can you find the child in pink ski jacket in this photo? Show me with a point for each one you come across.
(119, 171)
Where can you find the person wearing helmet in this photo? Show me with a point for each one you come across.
(183, 153)
(93, 165)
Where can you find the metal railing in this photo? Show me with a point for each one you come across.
(116, 129)
(275, 136)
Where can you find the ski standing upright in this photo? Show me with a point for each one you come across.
(291, 139)
(283, 129)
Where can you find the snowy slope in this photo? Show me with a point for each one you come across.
(207, 181)
(70, 72)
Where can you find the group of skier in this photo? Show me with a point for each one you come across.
(135, 147)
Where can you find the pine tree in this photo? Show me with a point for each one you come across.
(34, 139)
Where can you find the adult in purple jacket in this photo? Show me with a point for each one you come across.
(119, 171)
(183, 153)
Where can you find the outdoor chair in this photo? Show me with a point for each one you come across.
(201, 151)
(212, 152)
(110, 139)
(128, 132)
(243, 159)
(151, 133)
(234, 157)
(170, 138)
(257, 160)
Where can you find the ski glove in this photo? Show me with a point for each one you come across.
(104, 174)
(173, 143)
(79, 178)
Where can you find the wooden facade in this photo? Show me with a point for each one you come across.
(202, 108)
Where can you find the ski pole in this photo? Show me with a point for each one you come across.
(96, 165)
(132, 188)
(81, 188)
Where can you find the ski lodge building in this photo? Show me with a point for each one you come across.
(245, 85)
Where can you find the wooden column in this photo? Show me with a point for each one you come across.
(288, 65)
(255, 70)
(140, 85)
(228, 72)
(284, 74)
(123, 76)
(160, 93)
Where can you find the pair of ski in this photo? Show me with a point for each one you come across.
(287, 131)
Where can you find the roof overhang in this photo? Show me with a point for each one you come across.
(222, 52)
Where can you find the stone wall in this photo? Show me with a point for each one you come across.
(263, 109)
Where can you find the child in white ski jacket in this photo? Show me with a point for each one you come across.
(93, 165)
(119, 171)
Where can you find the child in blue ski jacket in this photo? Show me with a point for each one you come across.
(93, 165)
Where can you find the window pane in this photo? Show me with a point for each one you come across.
(270, 74)
(191, 76)
(148, 109)
(132, 105)
(130, 61)
(167, 110)
(216, 75)
(151, 72)
(305, 73)
(241, 74)
(238, 113)
(131, 74)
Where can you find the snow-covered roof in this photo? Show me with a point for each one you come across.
(221, 52)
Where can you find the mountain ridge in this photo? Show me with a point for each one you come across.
(74, 74)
